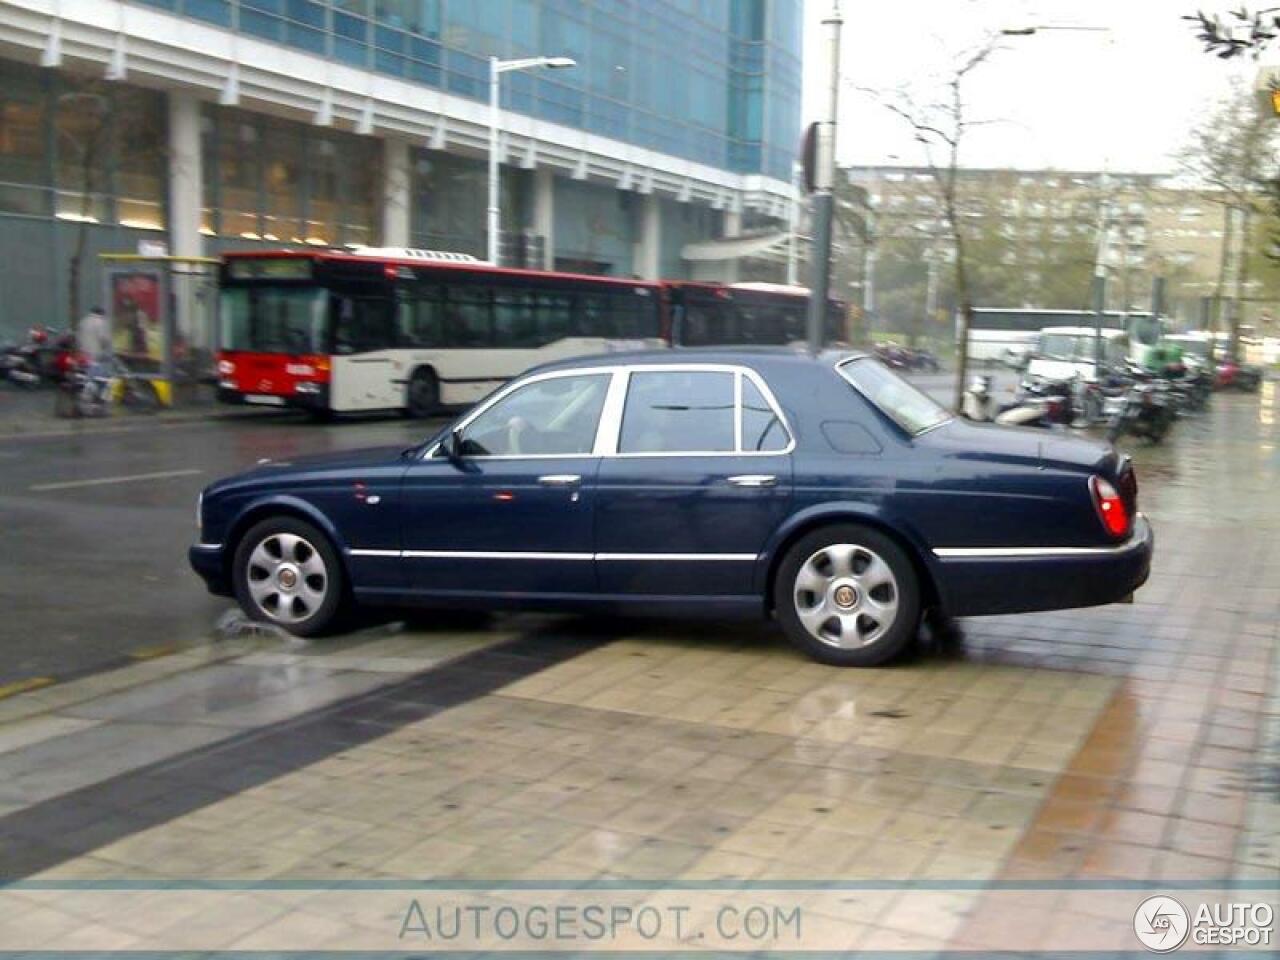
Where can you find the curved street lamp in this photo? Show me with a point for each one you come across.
(496, 69)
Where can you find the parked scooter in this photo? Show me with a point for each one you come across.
(1045, 410)
(24, 364)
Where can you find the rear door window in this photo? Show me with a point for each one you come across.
(678, 411)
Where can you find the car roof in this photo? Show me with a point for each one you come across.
(756, 358)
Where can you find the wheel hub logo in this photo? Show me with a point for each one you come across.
(1161, 924)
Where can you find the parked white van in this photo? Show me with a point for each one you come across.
(1065, 352)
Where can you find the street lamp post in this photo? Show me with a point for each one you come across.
(1099, 288)
(496, 69)
(824, 187)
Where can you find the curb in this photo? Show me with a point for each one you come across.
(54, 427)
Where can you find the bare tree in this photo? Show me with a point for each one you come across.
(1237, 32)
(85, 135)
(940, 127)
(1231, 154)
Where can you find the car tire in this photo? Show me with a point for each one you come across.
(422, 396)
(863, 582)
(283, 560)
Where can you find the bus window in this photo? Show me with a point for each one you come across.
(421, 316)
(706, 324)
(364, 324)
(515, 319)
(555, 317)
(619, 316)
(467, 320)
(273, 319)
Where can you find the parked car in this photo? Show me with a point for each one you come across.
(826, 492)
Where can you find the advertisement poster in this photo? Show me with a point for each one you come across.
(137, 326)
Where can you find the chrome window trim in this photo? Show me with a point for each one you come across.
(737, 411)
(611, 416)
(609, 428)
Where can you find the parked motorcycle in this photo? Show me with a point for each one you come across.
(1146, 412)
(1238, 376)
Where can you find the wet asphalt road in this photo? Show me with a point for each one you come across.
(93, 562)
(96, 526)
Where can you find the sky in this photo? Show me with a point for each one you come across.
(1124, 99)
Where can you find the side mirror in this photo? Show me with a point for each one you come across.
(451, 446)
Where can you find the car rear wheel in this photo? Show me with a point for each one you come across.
(848, 595)
(287, 573)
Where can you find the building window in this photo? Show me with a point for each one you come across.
(287, 183)
(24, 160)
(139, 130)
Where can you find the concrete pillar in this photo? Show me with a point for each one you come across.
(188, 321)
(544, 214)
(395, 193)
(647, 259)
(732, 228)
(186, 181)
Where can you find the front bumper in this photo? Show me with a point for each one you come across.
(316, 399)
(1031, 579)
(207, 560)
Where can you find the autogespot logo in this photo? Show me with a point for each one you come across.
(1162, 924)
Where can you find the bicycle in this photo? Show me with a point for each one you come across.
(92, 389)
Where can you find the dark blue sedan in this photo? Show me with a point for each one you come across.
(826, 492)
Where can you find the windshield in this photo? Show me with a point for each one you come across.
(1194, 347)
(898, 400)
(268, 319)
(1066, 346)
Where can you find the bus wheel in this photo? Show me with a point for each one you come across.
(423, 396)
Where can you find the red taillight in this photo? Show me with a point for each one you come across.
(1111, 509)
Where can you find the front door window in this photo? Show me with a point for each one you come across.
(555, 416)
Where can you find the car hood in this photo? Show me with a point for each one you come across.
(1022, 446)
(270, 469)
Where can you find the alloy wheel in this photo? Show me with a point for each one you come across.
(287, 577)
(846, 596)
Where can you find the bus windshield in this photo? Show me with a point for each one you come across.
(270, 319)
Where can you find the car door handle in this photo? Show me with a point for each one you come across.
(560, 480)
(754, 480)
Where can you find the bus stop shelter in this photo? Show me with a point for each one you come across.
(162, 313)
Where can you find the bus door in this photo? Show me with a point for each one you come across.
(364, 366)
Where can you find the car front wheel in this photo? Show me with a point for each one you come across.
(287, 573)
(848, 595)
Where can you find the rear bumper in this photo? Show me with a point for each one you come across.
(1024, 580)
(206, 559)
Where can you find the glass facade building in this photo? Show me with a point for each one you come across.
(713, 81)
(199, 126)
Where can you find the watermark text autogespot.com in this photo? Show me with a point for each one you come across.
(599, 922)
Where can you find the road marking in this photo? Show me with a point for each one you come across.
(24, 686)
(151, 653)
(104, 481)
